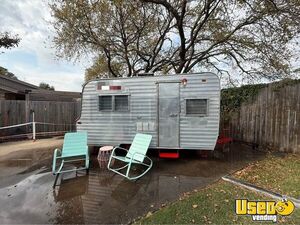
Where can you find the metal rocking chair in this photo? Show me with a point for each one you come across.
(135, 155)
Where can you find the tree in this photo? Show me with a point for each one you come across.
(100, 67)
(5, 72)
(250, 37)
(46, 86)
(8, 41)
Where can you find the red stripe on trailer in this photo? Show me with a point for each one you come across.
(109, 88)
(114, 87)
(99, 85)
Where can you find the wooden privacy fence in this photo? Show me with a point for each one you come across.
(51, 117)
(272, 120)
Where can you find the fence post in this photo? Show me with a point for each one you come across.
(33, 127)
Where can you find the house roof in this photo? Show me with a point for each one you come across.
(15, 86)
(48, 95)
(10, 85)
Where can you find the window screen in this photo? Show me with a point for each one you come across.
(121, 102)
(105, 102)
(196, 107)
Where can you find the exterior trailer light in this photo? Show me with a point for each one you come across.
(184, 82)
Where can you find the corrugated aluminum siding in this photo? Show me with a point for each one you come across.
(113, 128)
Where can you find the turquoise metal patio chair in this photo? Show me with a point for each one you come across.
(74, 149)
(135, 155)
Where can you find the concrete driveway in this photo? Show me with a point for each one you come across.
(27, 196)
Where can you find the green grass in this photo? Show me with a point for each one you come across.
(215, 204)
(279, 174)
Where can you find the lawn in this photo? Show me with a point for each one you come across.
(215, 204)
(280, 174)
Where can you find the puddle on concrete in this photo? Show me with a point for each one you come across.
(102, 197)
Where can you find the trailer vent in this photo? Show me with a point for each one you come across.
(196, 107)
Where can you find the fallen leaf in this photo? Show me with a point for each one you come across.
(226, 200)
(149, 214)
(195, 206)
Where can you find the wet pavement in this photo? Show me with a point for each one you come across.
(27, 196)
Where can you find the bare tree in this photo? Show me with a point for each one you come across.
(180, 36)
(46, 86)
(8, 41)
(5, 72)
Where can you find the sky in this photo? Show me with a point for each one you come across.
(34, 60)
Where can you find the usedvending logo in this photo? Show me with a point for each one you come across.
(264, 210)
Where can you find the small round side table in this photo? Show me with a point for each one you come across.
(104, 155)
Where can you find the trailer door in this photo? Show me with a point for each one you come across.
(168, 114)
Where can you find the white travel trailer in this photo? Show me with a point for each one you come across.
(179, 111)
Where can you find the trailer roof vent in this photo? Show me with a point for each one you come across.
(145, 74)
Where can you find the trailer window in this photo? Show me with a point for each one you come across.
(196, 107)
(121, 102)
(105, 102)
